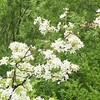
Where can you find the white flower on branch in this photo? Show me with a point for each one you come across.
(20, 50)
(4, 60)
(71, 43)
(63, 16)
(97, 21)
(45, 27)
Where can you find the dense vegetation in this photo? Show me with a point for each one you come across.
(16, 24)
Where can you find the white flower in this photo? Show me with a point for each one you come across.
(20, 96)
(65, 68)
(10, 73)
(70, 24)
(59, 26)
(65, 26)
(72, 39)
(60, 45)
(15, 96)
(74, 67)
(37, 20)
(38, 70)
(20, 50)
(25, 66)
(56, 61)
(66, 9)
(62, 15)
(4, 60)
(48, 54)
(28, 85)
(97, 21)
(7, 92)
(44, 26)
(98, 11)
(8, 82)
(13, 63)
(47, 75)
(71, 44)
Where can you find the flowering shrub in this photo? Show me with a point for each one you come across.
(16, 84)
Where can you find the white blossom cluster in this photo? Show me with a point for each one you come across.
(17, 83)
(19, 50)
(97, 20)
(18, 94)
(54, 69)
(68, 26)
(44, 25)
(71, 43)
(65, 13)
